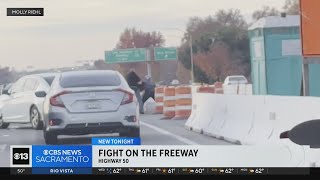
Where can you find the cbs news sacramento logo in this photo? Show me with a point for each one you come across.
(20, 156)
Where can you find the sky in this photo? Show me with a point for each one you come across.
(77, 30)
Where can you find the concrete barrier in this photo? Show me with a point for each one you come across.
(241, 89)
(216, 116)
(253, 120)
(150, 106)
(262, 127)
(235, 129)
(202, 119)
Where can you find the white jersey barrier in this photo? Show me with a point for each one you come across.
(239, 89)
(252, 120)
(150, 106)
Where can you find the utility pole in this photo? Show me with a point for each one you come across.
(191, 59)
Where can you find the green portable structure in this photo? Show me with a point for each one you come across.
(276, 59)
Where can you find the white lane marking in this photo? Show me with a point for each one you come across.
(5, 135)
(3, 147)
(182, 139)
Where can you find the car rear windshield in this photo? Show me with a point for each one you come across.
(49, 79)
(89, 79)
(237, 79)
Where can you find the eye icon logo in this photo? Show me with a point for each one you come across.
(45, 152)
(16, 156)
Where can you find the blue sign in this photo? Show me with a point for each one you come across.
(61, 170)
(116, 141)
(61, 156)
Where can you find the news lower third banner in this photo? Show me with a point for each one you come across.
(128, 152)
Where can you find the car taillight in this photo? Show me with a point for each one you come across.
(127, 98)
(56, 100)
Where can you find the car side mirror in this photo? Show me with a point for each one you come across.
(40, 94)
(306, 133)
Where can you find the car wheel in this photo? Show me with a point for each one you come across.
(35, 118)
(3, 125)
(50, 138)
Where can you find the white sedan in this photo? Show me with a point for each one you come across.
(90, 102)
(21, 105)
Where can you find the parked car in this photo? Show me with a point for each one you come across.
(6, 88)
(230, 80)
(90, 102)
(19, 104)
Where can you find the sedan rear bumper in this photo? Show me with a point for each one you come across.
(92, 128)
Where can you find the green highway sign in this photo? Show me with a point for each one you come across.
(161, 54)
(126, 55)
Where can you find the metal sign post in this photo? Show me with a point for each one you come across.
(149, 69)
(305, 77)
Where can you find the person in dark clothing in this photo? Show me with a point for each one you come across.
(135, 83)
(149, 87)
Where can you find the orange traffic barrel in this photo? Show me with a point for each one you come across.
(169, 102)
(218, 87)
(206, 89)
(183, 105)
(159, 93)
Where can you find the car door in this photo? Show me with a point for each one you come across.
(12, 108)
(27, 98)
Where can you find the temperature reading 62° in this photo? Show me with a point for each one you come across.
(229, 170)
(259, 171)
(116, 170)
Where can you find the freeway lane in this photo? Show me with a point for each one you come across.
(153, 132)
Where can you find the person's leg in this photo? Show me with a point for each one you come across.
(152, 95)
(138, 95)
(144, 97)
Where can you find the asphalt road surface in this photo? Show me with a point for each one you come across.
(153, 132)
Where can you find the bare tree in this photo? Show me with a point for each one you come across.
(227, 54)
(133, 38)
(264, 12)
(292, 7)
